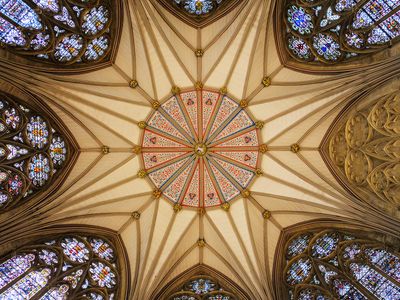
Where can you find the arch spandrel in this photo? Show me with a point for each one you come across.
(59, 35)
(38, 151)
(336, 36)
(361, 148)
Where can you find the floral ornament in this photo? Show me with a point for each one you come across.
(208, 137)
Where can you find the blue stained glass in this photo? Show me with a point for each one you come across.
(375, 282)
(102, 275)
(299, 48)
(95, 20)
(65, 17)
(28, 286)
(50, 5)
(97, 48)
(327, 47)
(385, 261)
(56, 293)
(351, 251)
(68, 48)
(372, 12)
(15, 267)
(11, 35)
(102, 249)
(37, 132)
(40, 41)
(345, 5)
(346, 291)
(58, 150)
(39, 170)
(198, 7)
(325, 245)
(298, 245)
(298, 271)
(20, 13)
(300, 20)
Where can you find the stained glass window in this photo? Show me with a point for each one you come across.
(200, 137)
(66, 267)
(202, 287)
(57, 31)
(327, 32)
(198, 7)
(339, 265)
(33, 151)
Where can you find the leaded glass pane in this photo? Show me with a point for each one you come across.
(328, 32)
(67, 267)
(66, 32)
(339, 265)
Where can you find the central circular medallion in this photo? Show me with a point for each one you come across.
(200, 148)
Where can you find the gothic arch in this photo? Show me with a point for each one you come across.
(360, 147)
(334, 253)
(38, 150)
(327, 22)
(70, 260)
(200, 271)
(61, 36)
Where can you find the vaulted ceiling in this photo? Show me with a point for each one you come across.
(158, 52)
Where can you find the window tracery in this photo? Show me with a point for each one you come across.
(334, 264)
(199, 13)
(334, 31)
(65, 267)
(202, 288)
(33, 152)
(364, 149)
(62, 32)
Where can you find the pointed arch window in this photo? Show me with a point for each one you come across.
(200, 13)
(202, 288)
(61, 32)
(333, 264)
(335, 31)
(65, 267)
(34, 151)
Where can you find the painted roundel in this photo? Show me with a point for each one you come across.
(200, 148)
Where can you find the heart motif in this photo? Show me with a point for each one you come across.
(190, 102)
(210, 196)
(192, 196)
(153, 159)
(247, 158)
(247, 139)
(153, 140)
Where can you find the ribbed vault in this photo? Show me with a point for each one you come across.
(238, 53)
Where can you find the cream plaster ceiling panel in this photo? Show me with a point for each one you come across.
(104, 108)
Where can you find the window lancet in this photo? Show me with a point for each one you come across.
(334, 264)
(33, 152)
(62, 32)
(202, 288)
(335, 31)
(65, 267)
(200, 13)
